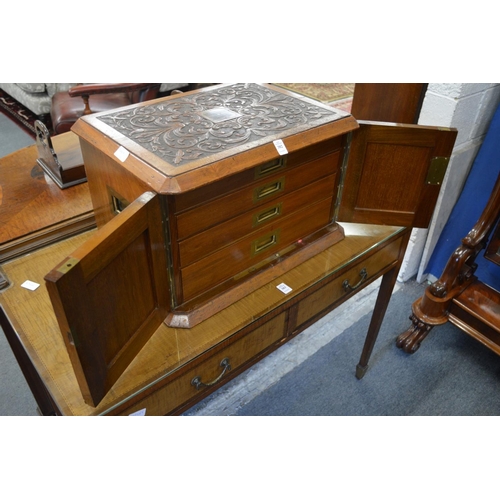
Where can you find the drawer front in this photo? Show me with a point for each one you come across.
(253, 249)
(333, 291)
(179, 391)
(204, 194)
(199, 245)
(253, 195)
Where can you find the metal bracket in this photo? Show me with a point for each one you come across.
(437, 170)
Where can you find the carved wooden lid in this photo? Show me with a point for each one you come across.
(181, 134)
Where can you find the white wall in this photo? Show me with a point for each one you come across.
(468, 107)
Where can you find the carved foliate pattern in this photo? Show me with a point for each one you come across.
(195, 126)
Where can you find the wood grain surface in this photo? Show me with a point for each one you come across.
(169, 349)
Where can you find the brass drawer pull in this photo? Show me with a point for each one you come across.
(270, 167)
(267, 214)
(269, 189)
(199, 384)
(349, 288)
(265, 242)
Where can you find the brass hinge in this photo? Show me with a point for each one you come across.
(340, 188)
(437, 170)
(168, 250)
(343, 169)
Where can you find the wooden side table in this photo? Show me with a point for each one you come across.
(178, 367)
(34, 211)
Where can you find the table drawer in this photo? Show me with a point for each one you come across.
(253, 195)
(231, 260)
(181, 390)
(333, 291)
(211, 240)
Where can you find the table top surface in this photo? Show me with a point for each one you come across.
(25, 189)
(33, 319)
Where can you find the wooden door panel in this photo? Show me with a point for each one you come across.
(111, 295)
(387, 178)
(388, 102)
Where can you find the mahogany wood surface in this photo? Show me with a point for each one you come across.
(34, 211)
(458, 296)
(171, 353)
(240, 188)
(132, 273)
(199, 245)
(223, 168)
(168, 178)
(388, 102)
(110, 295)
(386, 178)
(231, 203)
(383, 298)
(314, 156)
(477, 312)
(191, 313)
(233, 259)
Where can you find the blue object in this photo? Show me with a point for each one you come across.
(470, 205)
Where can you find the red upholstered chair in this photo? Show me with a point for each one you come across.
(81, 100)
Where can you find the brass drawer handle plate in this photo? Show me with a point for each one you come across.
(267, 214)
(348, 288)
(269, 189)
(198, 384)
(270, 167)
(265, 242)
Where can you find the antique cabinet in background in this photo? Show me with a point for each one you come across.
(203, 197)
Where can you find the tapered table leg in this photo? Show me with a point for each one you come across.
(383, 297)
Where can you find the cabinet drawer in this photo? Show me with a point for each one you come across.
(253, 195)
(180, 391)
(333, 291)
(202, 195)
(211, 240)
(253, 249)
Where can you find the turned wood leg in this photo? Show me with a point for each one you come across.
(411, 339)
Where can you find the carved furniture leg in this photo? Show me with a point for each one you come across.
(383, 297)
(432, 308)
(427, 311)
(411, 339)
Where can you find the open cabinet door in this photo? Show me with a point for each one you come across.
(394, 173)
(111, 294)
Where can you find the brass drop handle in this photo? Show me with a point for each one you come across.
(199, 384)
(348, 288)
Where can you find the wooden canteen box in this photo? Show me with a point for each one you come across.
(202, 197)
